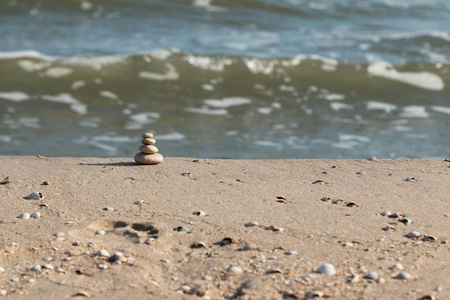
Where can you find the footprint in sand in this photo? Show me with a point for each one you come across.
(136, 232)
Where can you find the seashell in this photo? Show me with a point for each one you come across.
(46, 183)
(148, 149)
(60, 234)
(36, 215)
(386, 213)
(413, 235)
(326, 199)
(146, 135)
(396, 215)
(48, 259)
(140, 202)
(199, 213)
(248, 247)
(3, 292)
(34, 196)
(274, 271)
(427, 297)
(103, 252)
(47, 266)
(81, 294)
(148, 141)
(108, 209)
(150, 241)
(198, 245)
(315, 294)
(184, 289)
(251, 224)
(373, 158)
(102, 266)
(281, 200)
(403, 276)
(24, 216)
(100, 232)
(405, 221)
(397, 266)
(429, 238)
(276, 228)
(5, 181)
(186, 174)
(43, 205)
(235, 270)
(148, 159)
(410, 179)
(320, 181)
(182, 229)
(347, 244)
(327, 269)
(371, 275)
(354, 278)
(35, 268)
(227, 241)
(76, 243)
(351, 204)
(118, 256)
(291, 252)
(361, 173)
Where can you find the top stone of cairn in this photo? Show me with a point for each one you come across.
(147, 135)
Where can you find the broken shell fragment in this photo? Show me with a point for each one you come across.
(327, 269)
(235, 270)
(34, 196)
(199, 213)
(326, 199)
(24, 216)
(46, 183)
(275, 228)
(315, 294)
(103, 252)
(351, 204)
(274, 271)
(405, 221)
(291, 252)
(410, 179)
(35, 268)
(338, 201)
(371, 275)
(118, 256)
(182, 229)
(150, 241)
(320, 181)
(185, 289)
(413, 235)
(396, 215)
(429, 238)
(251, 224)
(5, 181)
(386, 213)
(196, 245)
(227, 241)
(81, 294)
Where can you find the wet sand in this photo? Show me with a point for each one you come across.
(147, 205)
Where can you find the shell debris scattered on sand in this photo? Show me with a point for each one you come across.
(34, 196)
(148, 154)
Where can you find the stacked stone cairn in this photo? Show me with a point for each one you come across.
(149, 153)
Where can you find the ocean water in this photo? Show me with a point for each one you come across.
(226, 78)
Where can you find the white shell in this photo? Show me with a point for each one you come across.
(24, 216)
(35, 196)
(403, 276)
(35, 268)
(82, 294)
(386, 213)
(410, 179)
(371, 275)
(413, 235)
(291, 252)
(60, 234)
(235, 270)
(251, 224)
(36, 215)
(327, 269)
(184, 289)
(150, 241)
(47, 266)
(102, 252)
(100, 232)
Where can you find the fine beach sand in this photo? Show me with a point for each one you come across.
(231, 193)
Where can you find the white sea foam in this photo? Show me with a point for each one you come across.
(171, 74)
(414, 111)
(424, 80)
(259, 66)
(375, 105)
(75, 105)
(441, 109)
(207, 111)
(24, 54)
(208, 63)
(115, 139)
(337, 106)
(264, 110)
(145, 117)
(161, 54)
(227, 102)
(58, 72)
(32, 66)
(14, 96)
(109, 94)
(333, 97)
(5, 138)
(268, 144)
(175, 136)
(352, 137)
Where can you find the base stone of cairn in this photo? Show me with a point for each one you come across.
(149, 153)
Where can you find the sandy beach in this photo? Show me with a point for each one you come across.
(225, 229)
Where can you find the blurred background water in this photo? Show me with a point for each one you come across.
(226, 78)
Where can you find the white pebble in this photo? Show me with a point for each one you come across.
(251, 224)
(3, 292)
(371, 275)
(102, 252)
(35, 268)
(60, 234)
(24, 216)
(235, 270)
(48, 266)
(100, 232)
(36, 215)
(403, 276)
(327, 269)
(291, 252)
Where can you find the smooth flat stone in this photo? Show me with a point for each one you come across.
(148, 159)
(148, 149)
(147, 135)
(148, 141)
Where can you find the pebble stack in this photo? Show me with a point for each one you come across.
(149, 153)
